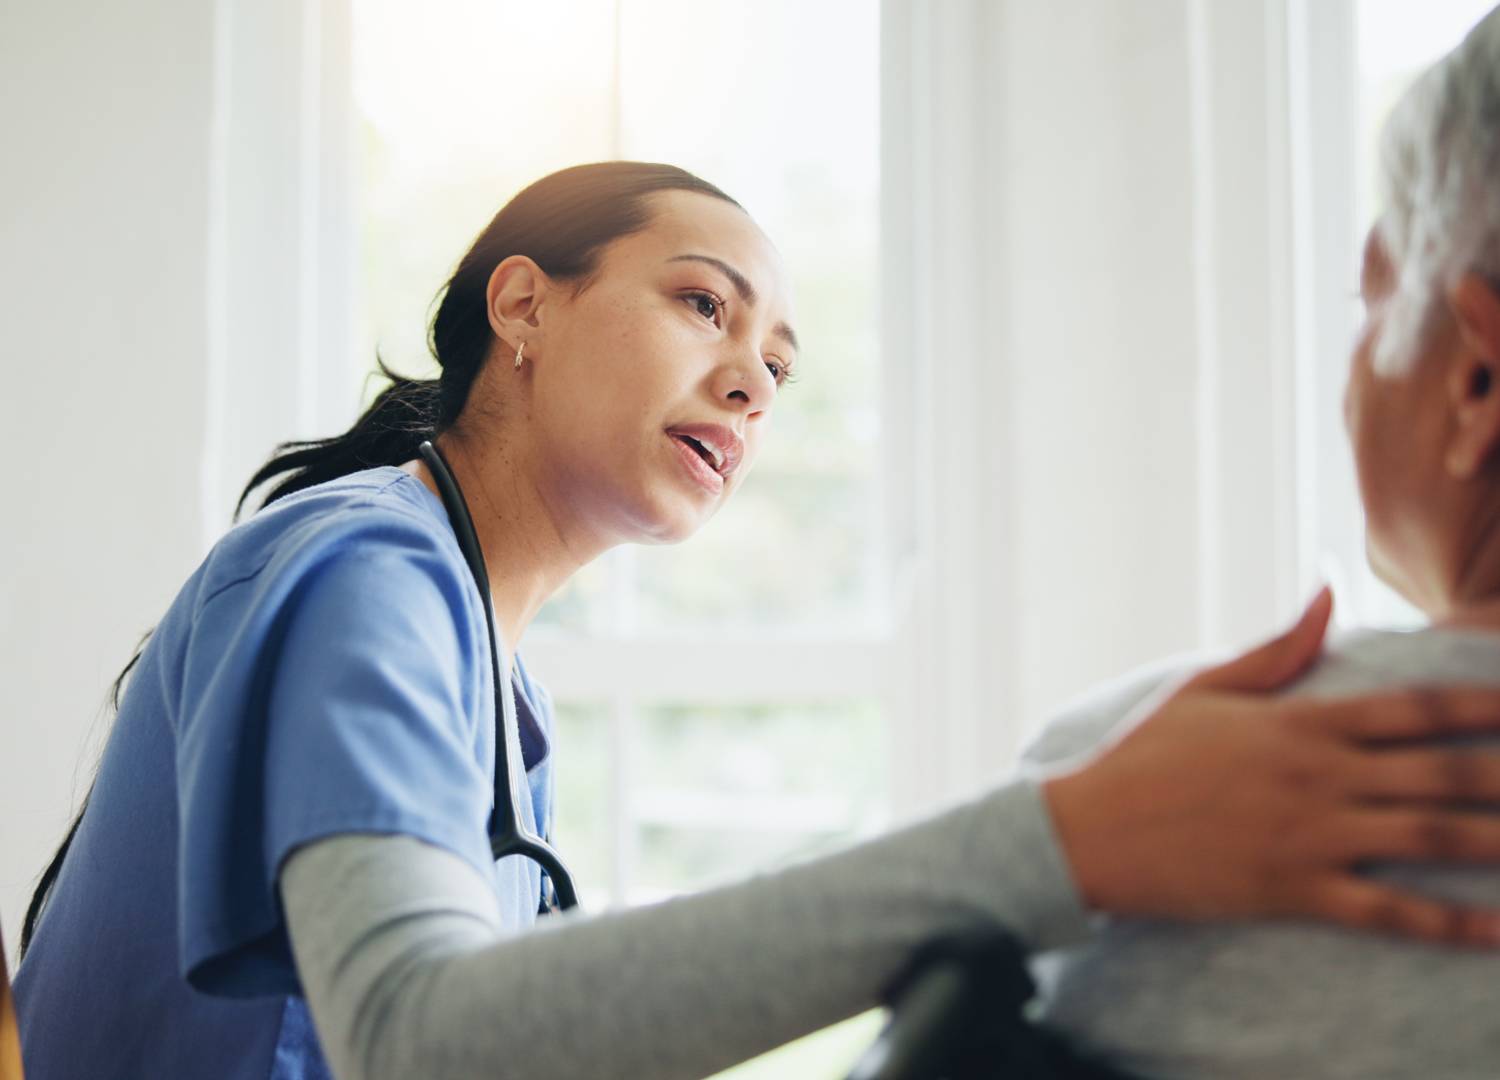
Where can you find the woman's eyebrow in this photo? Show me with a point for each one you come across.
(740, 282)
(742, 286)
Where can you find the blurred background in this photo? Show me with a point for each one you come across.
(1076, 282)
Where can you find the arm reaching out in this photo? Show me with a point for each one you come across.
(399, 950)
(1223, 801)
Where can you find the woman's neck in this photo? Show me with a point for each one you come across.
(528, 551)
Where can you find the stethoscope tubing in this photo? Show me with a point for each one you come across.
(510, 837)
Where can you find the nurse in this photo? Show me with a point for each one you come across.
(283, 869)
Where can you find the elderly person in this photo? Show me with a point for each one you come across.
(1171, 999)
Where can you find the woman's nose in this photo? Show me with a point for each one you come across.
(746, 384)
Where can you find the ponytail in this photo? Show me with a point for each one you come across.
(49, 875)
(400, 418)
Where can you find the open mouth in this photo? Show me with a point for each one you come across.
(697, 459)
(712, 457)
(715, 449)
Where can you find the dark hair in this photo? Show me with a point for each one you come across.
(562, 222)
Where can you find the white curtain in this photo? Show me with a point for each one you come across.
(1090, 310)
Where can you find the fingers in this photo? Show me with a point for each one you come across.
(1369, 905)
(1421, 834)
(1279, 660)
(1436, 774)
(1412, 713)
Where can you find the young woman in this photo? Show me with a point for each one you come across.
(284, 867)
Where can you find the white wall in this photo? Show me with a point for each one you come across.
(104, 124)
(1088, 274)
(173, 273)
(1145, 246)
(1097, 257)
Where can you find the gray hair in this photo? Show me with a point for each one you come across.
(1440, 180)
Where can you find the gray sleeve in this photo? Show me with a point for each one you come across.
(407, 973)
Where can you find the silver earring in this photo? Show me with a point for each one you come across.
(519, 348)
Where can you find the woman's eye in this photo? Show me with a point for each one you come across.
(780, 372)
(705, 304)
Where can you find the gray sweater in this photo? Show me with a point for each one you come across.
(1266, 1000)
(408, 973)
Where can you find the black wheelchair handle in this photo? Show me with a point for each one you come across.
(954, 989)
(959, 1012)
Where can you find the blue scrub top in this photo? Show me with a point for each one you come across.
(325, 670)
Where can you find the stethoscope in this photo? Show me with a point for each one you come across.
(508, 835)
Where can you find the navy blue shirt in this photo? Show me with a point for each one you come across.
(325, 670)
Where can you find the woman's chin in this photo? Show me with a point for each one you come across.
(674, 520)
(675, 532)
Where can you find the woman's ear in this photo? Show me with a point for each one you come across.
(1474, 381)
(514, 297)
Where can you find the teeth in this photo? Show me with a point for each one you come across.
(709, 448)
(718, 455)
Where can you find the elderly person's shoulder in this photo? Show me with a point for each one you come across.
(1364, 660)
(1355, 661)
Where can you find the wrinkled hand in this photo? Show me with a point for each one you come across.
(1226, 802)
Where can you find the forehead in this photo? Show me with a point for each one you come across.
(690, 223)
